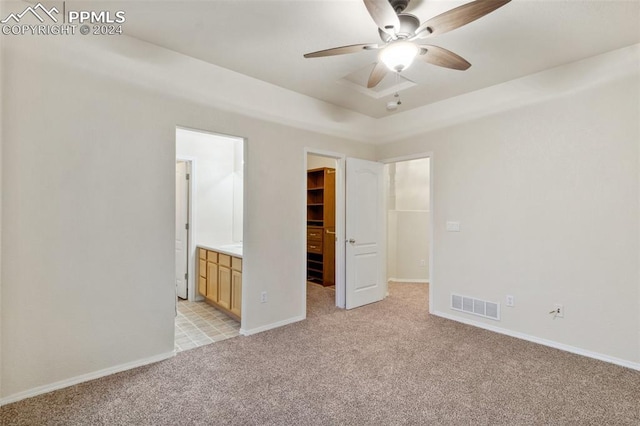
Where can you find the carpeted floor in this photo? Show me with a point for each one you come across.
(321, 300)
(383, 364)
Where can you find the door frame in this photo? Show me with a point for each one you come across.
(340, 226)
(419, 156)
(192, 294)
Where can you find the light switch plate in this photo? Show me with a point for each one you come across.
(453, 226)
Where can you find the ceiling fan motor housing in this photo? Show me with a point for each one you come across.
(399, 5)
(408, 26)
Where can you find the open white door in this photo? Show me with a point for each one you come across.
(365, 230)
(182, 220)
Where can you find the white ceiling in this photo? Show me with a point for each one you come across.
(266, 40)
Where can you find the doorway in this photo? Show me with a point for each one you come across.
(359, 210)
(216, 193)
(391, 239)
(409, 218)
(321, 237)
(209, 233)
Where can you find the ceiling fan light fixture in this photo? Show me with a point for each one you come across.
(399, 55)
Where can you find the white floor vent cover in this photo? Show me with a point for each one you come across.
(473, 306)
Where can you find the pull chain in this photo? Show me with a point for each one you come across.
(393, 105)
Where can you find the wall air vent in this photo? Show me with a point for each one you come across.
(482, 308)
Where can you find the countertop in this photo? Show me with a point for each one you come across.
(230, 249)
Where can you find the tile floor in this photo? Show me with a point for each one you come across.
(199, 324)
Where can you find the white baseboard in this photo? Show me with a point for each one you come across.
(540, 341)
(84, 378)
(270, 326)
(409, 280)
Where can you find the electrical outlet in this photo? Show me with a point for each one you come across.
(511, 301)
(263, 297)
(559, 310)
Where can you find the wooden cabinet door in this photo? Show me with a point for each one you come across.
(236, 292)
(212, 281)
(202, 277)
(224, 287)
(202, 286)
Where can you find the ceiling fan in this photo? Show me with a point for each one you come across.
(401, 31)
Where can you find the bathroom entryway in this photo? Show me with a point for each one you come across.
(199, 324)
(210, 172)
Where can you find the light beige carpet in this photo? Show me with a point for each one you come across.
(320, 300)
(388, 363)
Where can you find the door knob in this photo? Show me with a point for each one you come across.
(351, 240)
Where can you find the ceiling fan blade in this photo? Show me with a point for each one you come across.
(378, 73)
(455, 18)
(383, 15)
(443, 58)
(353, 48)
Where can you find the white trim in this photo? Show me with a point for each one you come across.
(341, 285)
(209, 132)
(409, 280)
(192, 294)
(85, 378)
(303, 245)
(417, 156)
(271, 326)
(541, 341)
(244, 303)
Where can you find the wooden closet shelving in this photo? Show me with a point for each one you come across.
(321, 206)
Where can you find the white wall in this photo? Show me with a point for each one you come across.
(317, 161)
(408, 220)
(547, 197)
(216, 185)
(88, 223)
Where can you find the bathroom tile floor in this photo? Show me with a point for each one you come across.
(199, 324)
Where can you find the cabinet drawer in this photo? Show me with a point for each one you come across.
(212, 256)
(314, 247)
(224, 260)
(314, 234)
(202, 253)
(236, 263)
(202, 268)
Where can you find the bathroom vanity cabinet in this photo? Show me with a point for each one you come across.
(220, 280)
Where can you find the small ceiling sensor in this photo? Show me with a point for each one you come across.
(393, 105)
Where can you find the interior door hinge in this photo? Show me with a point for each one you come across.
(188, 176)
(185, 276)
(186, 226)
